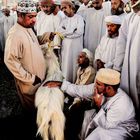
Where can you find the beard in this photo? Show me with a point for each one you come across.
(117, 11)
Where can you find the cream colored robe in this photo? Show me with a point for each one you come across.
(85, 76)
(24, 58)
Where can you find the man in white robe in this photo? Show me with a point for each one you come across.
(72, 28)
(46, 20)
(117, 8)
(115, 118)
(6, 22)
(94, 25)
(105, 52)
(127, 58)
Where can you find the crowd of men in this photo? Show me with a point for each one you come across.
(103, 36)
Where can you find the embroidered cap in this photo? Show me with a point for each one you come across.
(108, 76)
(26, 6)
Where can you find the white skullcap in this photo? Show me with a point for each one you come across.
(57, 2)
(26, 6)
(113, 19)
(108, 76)
(89, 55)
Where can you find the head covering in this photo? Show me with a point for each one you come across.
(26, 6)
(108, 76)
(113, 19)
(57, 2)
(89, 55)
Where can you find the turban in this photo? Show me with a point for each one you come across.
(26, 6)
(108, 76)
(89, 55)
(113, 19)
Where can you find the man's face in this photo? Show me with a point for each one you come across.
(117, 7)
(97, 4)
(100, 87)
(112, 29)
(81, 58)
(66, 9)
(47, 8)
(28, 20)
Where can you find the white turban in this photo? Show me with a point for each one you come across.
(89, 55)
(113, 19)
(26, 6)
(108, 76)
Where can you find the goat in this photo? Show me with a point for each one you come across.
(50, 102)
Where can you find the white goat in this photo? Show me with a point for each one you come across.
(49, 103)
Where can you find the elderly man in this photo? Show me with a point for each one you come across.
(72, 28)
(117, 7)
(115, 117)
(127, 58)
(95, 25)
(105, 52)
(85, 72)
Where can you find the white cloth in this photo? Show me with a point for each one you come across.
(94, 27)
(5, 24)
(71, 45)
(46, 23)
(82, 7)
(83, 91)
(127, 56)
(106, 50)
(115, 120)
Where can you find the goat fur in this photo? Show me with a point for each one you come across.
(50, 102)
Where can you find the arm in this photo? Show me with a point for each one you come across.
(121, 45)
(83, 91)
(79, 30)
(13, 55)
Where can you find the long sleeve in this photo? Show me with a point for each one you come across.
(117, 110)
(83, 91)
(120, 48)
(13, 57)
(72, 27)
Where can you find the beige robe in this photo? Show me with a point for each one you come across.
(85, 76)
(24, 59)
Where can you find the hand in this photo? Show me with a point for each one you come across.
(97, 98)
(46, 37)
(100, 64)
(52, 84)
(37, 80)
